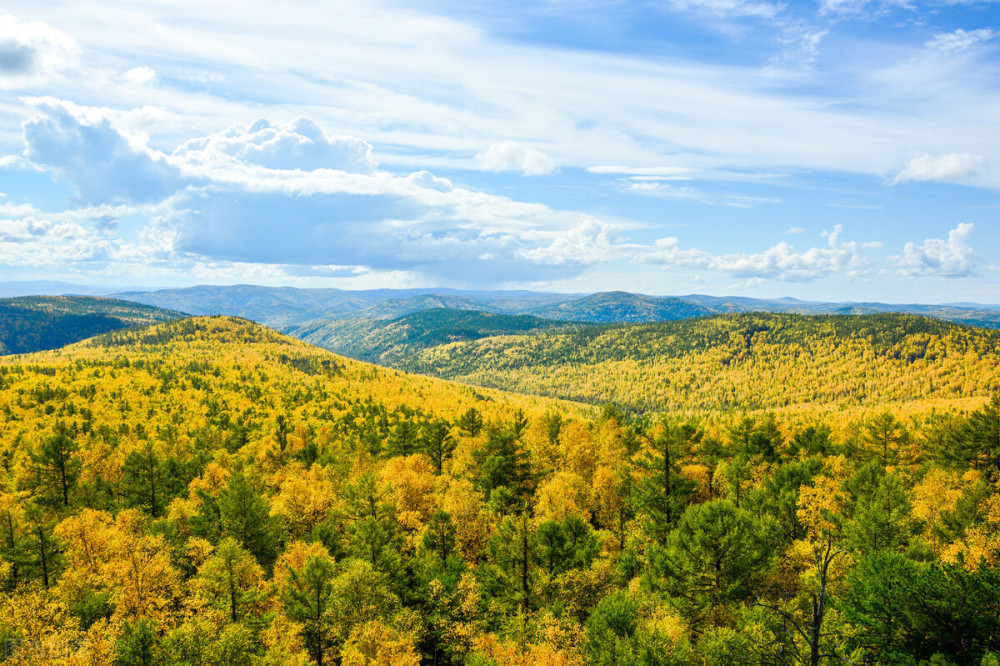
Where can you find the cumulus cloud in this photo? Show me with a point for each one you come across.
(938, 257)
(32, 53)
(293, 195)
(83, 147)
(31, 237)
(514, 156)
(960, 40)
(300, 144)
(303, 202)
(781, 262)
(952, 166)
(426, 179)
(590, 242)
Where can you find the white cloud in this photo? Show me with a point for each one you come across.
(301, 144)
(293, 200)
(31, 237)
(139, 76)
(784, 262)
(291, 195)
(590, 242)
(646, 185)
(32, 53)
(666, 172)
(960, 40)
(667, 190)
(668, 253)
(795, 230)
(801, 47)
(426, 179)
(945, 258)
(427, 90)
(952, 166)
(780, 262)
(514, 156)
(82, 146)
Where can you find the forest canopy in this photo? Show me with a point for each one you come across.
(207, 491)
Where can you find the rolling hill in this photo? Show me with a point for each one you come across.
(391, 341)
(736, 361)
(35, 323)
(623, 307)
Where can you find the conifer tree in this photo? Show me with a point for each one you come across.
(662, 494)
(245, 515)
(55, 466)
(437, 442)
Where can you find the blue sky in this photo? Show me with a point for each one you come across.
(831, 150)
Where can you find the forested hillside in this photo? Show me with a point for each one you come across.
(208, 491)
(737, 361)
(394, 342)
(622, 307)
(35, 323)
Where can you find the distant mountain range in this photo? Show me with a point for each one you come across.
(286, 307)
(281, 307)
(371, 324)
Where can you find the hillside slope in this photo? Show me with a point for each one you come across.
(215, 365)
(738, 361)
(35, 323)
(393, 342)
(623, 307)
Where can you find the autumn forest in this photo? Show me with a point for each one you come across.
(745, 489)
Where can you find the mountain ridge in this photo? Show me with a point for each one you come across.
(37, 323)
(286, 307)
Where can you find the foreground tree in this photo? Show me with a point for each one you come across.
(55, 467)
(717, 555)
(231, 580)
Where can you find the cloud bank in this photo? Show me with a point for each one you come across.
(293, 198)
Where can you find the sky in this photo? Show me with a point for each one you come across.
(825, 150)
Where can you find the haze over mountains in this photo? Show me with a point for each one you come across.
(287, 306)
